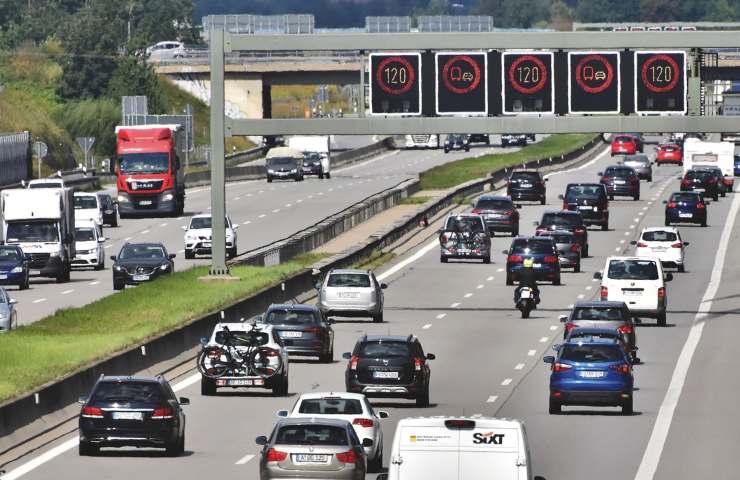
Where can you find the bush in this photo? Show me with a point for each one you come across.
(93, 118)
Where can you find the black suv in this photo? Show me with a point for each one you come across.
(621, 181)
(109, 208)
(527, 185)
(140, 262)
(590, 200)
(132, 411)
(455, 141)
(479, 138)
(389, 366)
(499, 213)
(701, 180)
(302, 329)
(570, 221)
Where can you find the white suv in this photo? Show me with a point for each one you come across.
(87, 207)
(198, 236)
(89, 250)
(664, 243)
(353, 407)
(639, 282)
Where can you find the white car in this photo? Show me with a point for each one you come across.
(89, 250)
(353, 407)
(664, 243)
(637, 281)
(87, 207)
(198, 236)
(45, 183)
(166, 51)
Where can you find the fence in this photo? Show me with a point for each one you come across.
(15, 157)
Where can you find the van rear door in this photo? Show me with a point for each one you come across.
(427, 452)
(491, 453)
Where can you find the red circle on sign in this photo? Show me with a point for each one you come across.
(607, 81)
(448, 82)
(543, 78)
(388, 89)
(651, 86)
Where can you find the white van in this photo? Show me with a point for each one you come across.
(637, 281)
(459, 448)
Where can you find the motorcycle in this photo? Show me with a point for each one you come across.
(526, 301)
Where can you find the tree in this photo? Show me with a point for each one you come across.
(514, 13)
(561, 16)
(608, 10)
(719, 11)
(133, 77)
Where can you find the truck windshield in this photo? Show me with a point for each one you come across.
(32, 232)
(144, 163)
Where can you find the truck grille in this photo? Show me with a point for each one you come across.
(135, 185)
(38, 260)
(420, 138)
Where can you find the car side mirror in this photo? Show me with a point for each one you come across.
(556, 347)
(431, 356)
(171, 256)
(282, 413)
(598, 275)
(633, 242)
(101, 239)
(383, 286)
(82, 400)
(547, 179)
(561, 197)
(686, 244)
(601, 174)
(317, 285)
(113, 257)
(548, 359)
(367, 442)
(184, 401)
(346, 355)
(13, 301)
(261, 440)
(665, 202)
(539, 478)
(203, 341)
(563, 318)
(185, 228)
(668, 277)
(536, 224)
(383, 414)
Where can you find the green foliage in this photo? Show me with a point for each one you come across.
(515, 13)
(134, 77)
(92, 118)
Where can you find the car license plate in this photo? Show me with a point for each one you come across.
(206, 244)
(35, 272)
(128, 416)
(385, 375)
(584, 207)
(310, 458)
(526, 185)
(592, 374)
(537, 265)
(290, 334)
(685, 215)
(240, 382)
(141, 278)
(145, 202)
(348, 294)
(659, 249)
(632, 293)
(3, 277)
(619, 182)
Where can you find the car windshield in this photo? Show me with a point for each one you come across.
(144, 163)
(242, 338)
(105, 201)
(142, 252)
(492, 204)
(532, 245)
(468, 224)
(619, 172)
(349, 280)
(455, 138)
(128, 392)
(525, 177)
(686, 197)
(595, 192)
(197, 223)
(290, 317)
(591, 353)
(633, 270)
(311, 435)
(331, 406)
(32, 232)
(84, 234)
(659, 236)
(560, 219)
(311, 157)
(9, 254)
(597, 313)
(85, 202)
(281, 162)
(385, 349)
(623, 139)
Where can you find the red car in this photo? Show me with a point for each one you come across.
(624, 145)
(669, 153)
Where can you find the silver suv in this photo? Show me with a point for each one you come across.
(465, 236)
(351, 293)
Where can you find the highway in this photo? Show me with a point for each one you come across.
(489, 361)
(264, 212)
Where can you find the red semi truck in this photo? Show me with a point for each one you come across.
(149, 175)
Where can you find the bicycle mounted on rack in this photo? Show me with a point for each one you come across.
(242, 354)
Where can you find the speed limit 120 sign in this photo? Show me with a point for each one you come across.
(660, 82)
(395, 83)
(527, 83)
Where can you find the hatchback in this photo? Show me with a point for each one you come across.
(664, 243)
(623, 145)
(641, 164)
(601, 333)
(686, 207)
(669, 153)
(302, 329)
(569, 249)
(621, 181)
(610, 315)
(109, 208)
(14, 269)
(499, 213)
(724, 184)
(457, 142)
(544, 253)
(315, 448)
(590, 200)
(132, 411)
(527, 185)
(570, 221)
(351, 293)
(464, 236)
(701, 181)
(592, 372)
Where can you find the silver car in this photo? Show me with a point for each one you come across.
(569, 248)
(351, 293)
(8, 315)
(611, 315)
(313, 448)
(641, 164)
(464, 236)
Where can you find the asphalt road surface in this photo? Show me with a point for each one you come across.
(489, 362)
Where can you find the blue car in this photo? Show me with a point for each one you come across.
(686, 207)
(542, 250)
(591, 371)
(737, 165)
(13, 266)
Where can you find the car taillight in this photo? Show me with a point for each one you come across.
(215, 353)
(604, 178)
(661, 292)
(569, 326)
(700, 205)
(685, 181)
(642, 244)
(565, 205)
(314, 330)
(604, 293)
(712, 181)
(677, 245)
(575, 248)
(509, 213)
(728, 181)
(561, 367)
(671, 205)
(623, 368)
(551, 259)
(269, 352)
(516, 259)
(275, 455)
(162, 413)
(353, 362)
(476, 211)
(347, 457)
(625, 329)
(417, 364)
(363, 422)
(92, 412)
(634, 180)
(580, 231)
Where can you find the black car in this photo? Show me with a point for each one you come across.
(622, 181)
(518, 139)
(479, 138)
(542, 250)
(499, 213)
(302, 329)
(109, 208)
(140, 262)
(527, 185)
(590, 200)
(312, 164)
(702, 181)
(723, 185)
(457, 142)
(389, 366)
(132, 411)
(14, 267)
(566, 220)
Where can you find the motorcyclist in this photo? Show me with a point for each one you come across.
(527, 278)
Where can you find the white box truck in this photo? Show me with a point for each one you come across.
(459, 448)
(713, 154)
(316, 153)
(41, 221)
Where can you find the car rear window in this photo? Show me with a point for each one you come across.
(532, 245)
(594, 191)
(527, 176)
(561, 238)
(331, 406)
(385, 349)
(349, 280)
(591, 353)
(586, 334)
(702, 174)
(9, 254)
(472, 224)
(619, 172)
(623, 138)
(560, 219)
(659, 236)
(243, 338)
(636, 159)
(633, 270)
(311, 435)
(127, 392)
(686, 197)
(290, 317)
(597, 313)
(491, 204)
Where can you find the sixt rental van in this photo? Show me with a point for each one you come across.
(41, 221)
(459, 448)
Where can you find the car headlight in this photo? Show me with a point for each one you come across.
(118, 268)
(294, 171)
(164, 267)
(122, 198)
(17, 269)
(190, 238)
(269, 170)
(167, 196)
(54, 254)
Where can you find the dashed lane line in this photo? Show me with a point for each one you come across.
(507, 382)
(492, 399)
(455, 305)
(532, 353)
(468, 295)
(427, 326)
(245, 459)
(519, 366)
(544, 339)
(39, 300)
(92, 284)
(489, 279)
(441, 316)
(67, 292)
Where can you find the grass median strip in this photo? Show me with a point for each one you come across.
(74, 337)
(461, 171)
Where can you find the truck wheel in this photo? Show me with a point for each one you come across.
(87, 450)
(328, 176)
(269, 179)
(207, 387)
(231, 252)
(577, 268)
(378, 318)
(114, 223)
(321, 175)
(62, 275)
(422, 399)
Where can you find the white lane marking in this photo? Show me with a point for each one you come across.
(288, 205)
(276, 210)
(441, 316)
(39, 300)
(580, 296)
(644, 209)
(622, 241)
(427, 326)
(544, 339)
(400, 265)
(640, 213)
(468, 295)
(632, 226)
(262, 215)
(636, 219)
(127, 239)
(244, 459)
(455, 305)
(300, 200)
(589, 287)
(331, 190)
(180, 218)
(42, 459)
(650, 203)
(479, 286)
(67, 292)
(616, 249)
(489, 279)
(626, 233)
(507, 381)
(492, 399)
(163, 224)
(249, 194)
(554, 327)
(144, 232)
(237, 198)
(654, 449)
(247, 222)
(500, 270)
(531, 353)
(181, 251)
(321, 193)
(92, 284)
(519, 366)
(310, 196)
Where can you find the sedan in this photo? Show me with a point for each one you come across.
(8, 315)
(701, 181)
(612, 315)
(302, 329)
(456, 142)
(540, 249)
(140, 262)
(641, 164)
(686, 207)
(621, 181)
(14, 268)
(569, 248)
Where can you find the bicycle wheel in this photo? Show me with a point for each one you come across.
(213, 362)
(265, 362)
